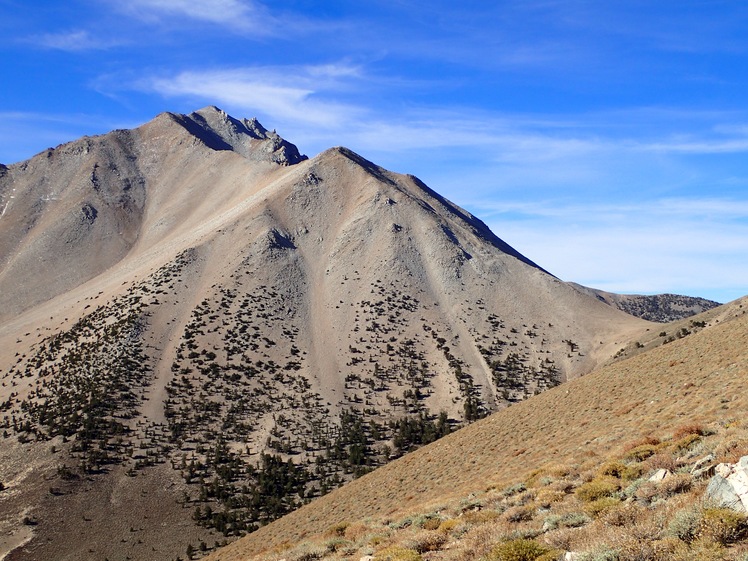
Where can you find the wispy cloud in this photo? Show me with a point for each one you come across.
(234, 13)
(691, 246)
(74, 41)
(296, 94)
(700, 146)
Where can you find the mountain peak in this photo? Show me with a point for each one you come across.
(220, 131)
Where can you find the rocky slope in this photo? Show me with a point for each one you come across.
(194, 306)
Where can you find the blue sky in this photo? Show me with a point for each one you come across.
(607, 141)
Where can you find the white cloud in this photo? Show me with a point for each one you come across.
(215, 11)
(246, 17)
(289, 95)
(708, 146)
(79, 40)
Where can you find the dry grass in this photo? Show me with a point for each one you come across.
(599, 513)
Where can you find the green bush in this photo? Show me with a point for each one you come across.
(598, 488)
(685, 525)
(614, 469)
(602, 554)
(601, 506)
(395, 553)
(522, 550)
(568, 520)
(723, 525)
(641, 452)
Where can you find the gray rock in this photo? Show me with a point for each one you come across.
(729, 486)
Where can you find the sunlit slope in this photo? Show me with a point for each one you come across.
(700, 378)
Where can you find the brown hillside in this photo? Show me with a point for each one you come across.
(699, 379)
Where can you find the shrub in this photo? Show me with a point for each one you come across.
(546, 497)
(685, 525)
(308, 553)
(356, 531)
(336, 544)
(521, 550)
(723, 525)
(447, 526)
(647, 440)
(662, 460)
(432, 523)
(600, 554)
(632, 472)
(519, 514)
(647, 491)
(615, 469)
(641, 453)
(601, 506)
(568, 520)
(480, 516)
(627, 515)
(702, 551)
(686, 442)
(689, 429)
(598, 488)
(426, 541)
(675, 484)
(396, 553)
(513, 490)
(337, 529)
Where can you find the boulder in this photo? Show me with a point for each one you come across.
(661, 475)
(729, 485)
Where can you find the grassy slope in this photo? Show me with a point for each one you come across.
(698, 379)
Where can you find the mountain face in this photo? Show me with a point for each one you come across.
(201, 326)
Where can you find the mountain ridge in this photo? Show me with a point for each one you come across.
(662, 308)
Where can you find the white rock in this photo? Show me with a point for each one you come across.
(729, 486)
(660, 475)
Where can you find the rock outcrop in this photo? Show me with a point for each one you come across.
(729, 485)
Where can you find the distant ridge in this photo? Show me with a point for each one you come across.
(662, 308)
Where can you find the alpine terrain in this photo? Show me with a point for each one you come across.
(202, 329)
